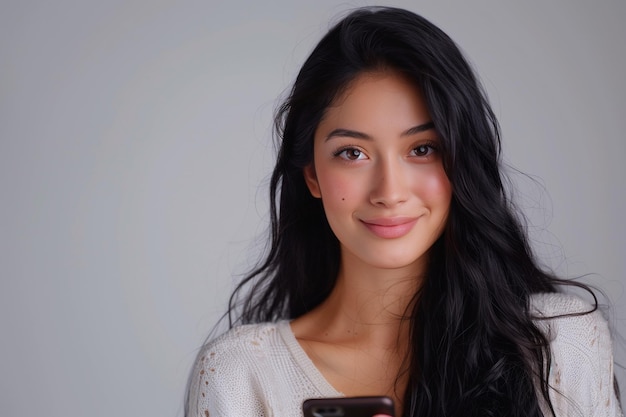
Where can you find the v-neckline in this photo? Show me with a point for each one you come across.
(304, 362)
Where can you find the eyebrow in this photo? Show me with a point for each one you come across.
(360, 135)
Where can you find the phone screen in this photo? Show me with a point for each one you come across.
(348, 407)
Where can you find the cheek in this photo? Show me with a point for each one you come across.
(435, 186)
(338, 189)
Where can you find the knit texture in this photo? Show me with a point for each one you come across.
(261, 370)
(581, 373)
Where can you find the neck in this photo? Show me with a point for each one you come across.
(369, 305)
(359, 336)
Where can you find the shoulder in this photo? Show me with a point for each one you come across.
(581, 354)
(238, 355)
(244, 339)
(567, 318)
(235, 365)
(557, 304)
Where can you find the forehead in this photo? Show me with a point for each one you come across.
(376, 100)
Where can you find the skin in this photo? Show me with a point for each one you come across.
(386, 196)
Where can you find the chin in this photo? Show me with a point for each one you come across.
(394, 263)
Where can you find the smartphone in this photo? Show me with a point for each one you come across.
(348, 407)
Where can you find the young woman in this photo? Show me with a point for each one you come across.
(397, 265)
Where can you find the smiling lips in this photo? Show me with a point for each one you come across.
(390, 227)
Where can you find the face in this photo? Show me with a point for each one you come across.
(379, 173)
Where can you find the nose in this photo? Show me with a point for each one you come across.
(390, 183)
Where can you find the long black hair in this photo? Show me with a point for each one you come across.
(474, 347)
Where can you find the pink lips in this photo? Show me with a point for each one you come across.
(390, 227)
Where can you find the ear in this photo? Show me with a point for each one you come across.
(310, 177)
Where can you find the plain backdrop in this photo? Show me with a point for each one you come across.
(135, 151)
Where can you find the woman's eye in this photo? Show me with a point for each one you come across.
(423, 150)
(351, 154)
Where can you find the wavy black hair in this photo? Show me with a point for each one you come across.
(475, 349)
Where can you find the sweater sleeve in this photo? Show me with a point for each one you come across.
(581, 373)
(222, 384)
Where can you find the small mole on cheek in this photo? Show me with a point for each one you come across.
(343, 199)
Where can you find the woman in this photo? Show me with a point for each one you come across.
(397, 265)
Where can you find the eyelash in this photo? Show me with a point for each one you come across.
(345, 149)
(432, 147)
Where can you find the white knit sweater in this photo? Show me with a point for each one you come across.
(261, 370)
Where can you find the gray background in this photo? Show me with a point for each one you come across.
(135, 148)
